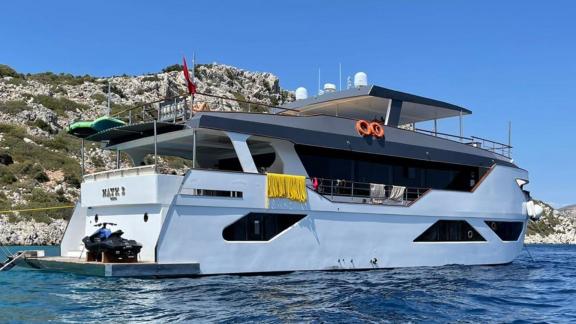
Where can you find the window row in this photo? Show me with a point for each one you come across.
(369, 168)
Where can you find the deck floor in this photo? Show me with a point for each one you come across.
(138, 269)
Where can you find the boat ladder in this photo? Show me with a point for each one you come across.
(11, 261)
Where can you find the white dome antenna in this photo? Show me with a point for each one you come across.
(329, 87)
(301, 93)
(360, 80)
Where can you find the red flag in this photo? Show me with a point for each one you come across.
(191, 86)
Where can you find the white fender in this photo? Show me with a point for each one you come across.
(533, 210)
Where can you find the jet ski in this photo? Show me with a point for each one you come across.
(110, 245)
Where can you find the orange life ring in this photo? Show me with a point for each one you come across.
(363, 127)
(376, 129)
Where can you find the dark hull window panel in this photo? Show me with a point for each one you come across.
(259, 226)
(370, 168)
(231, 164)
(506, 231)
(450, 231)
(217, 193)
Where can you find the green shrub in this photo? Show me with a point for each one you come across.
(172, 68)
(99, 97)
(4, 203)
(62, 78)
(43, 126)
(6, 71)
(59, 89)
(175, 162)
(113, 89)
(59, 105)
(98, 162)
(39, 198)
(73, 180)
(153, 77)
(63, 142)
(28, 168)
(17, 81)
(43, 156)
(13, 107)
(6, 176)
(13, 130)
(41, 177)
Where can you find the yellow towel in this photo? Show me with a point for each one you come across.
(286, 186)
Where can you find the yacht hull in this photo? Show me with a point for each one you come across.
(185, 227)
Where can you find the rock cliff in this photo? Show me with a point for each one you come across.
(554, 227)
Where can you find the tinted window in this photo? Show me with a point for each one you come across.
(506, 231)
(259, 226)
(231, 164)
(360, 167)
(450, 231)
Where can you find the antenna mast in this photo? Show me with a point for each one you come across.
(340, 76)
(319, 85)
(509, 134)
(108, 111)
(193, 66)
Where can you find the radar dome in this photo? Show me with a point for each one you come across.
(360, 80)
(301, 93)
(329, 87)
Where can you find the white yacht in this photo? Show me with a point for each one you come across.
(360, 187)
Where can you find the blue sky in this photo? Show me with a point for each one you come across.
(504, 60)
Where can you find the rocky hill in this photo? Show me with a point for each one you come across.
(40, 163)
(556, 226)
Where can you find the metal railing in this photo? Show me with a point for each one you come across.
(120, 173)
(368, 193)
(180, 108)
(474, 141)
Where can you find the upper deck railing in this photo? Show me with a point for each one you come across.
(179, 109)
(120, 173)
(479, 142)
(367, 193)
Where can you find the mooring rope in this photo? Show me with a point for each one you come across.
(527, 250)
(34, 209)
(4, 249)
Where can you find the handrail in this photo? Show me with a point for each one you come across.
(184, 96)
(115, 173)
(475, 141)
(370, 193)
(443, 134)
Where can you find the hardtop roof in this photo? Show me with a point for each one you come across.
(373, 102)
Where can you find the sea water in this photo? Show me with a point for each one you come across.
(540, 286)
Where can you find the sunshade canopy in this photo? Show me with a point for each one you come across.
(373, 102)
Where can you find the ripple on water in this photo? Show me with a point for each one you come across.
(523, 291)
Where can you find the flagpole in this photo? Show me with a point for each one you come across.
(191, 87)
(193, 67)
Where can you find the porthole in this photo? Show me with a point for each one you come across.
(493, 226)
(470, 234)
(96, 218)
(145, 217)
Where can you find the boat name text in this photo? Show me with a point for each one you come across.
(113, 192)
